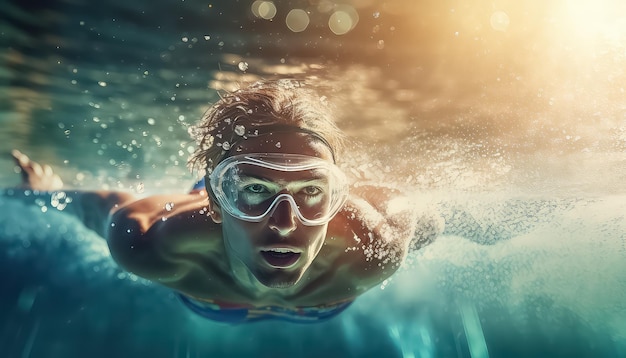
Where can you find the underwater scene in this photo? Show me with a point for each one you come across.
(504, 120)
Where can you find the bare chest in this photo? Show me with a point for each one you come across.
(327, 283)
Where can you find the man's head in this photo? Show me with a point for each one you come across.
(251, 111)
(282, 142)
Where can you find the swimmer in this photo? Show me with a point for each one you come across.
(275, 230)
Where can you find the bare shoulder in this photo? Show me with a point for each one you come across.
(377, 228)
(372, 246)
(149, 237)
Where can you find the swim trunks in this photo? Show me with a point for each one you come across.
(199, 185)
(240, 314)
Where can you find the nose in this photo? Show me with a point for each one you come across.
(283, 219)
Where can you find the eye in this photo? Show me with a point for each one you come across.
(256, 189)
(311, 190)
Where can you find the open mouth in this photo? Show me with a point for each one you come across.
(280, 257)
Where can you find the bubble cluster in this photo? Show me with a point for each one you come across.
(60, 200)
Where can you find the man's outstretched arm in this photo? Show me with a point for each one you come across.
(41, 186)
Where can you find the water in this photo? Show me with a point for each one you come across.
(507, 118)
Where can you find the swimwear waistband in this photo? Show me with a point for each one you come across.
(215, 312)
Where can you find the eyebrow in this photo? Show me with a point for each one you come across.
(263, 178)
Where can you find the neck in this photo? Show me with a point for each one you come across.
(250, 285)
(242, 275)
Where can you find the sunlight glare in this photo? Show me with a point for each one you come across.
(591, 20)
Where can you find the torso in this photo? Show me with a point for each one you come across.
(329, 280)
(191, 240)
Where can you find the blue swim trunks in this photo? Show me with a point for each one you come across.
(234, 314)
(199, 185)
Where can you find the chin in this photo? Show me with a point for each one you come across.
(280, 284)
(279, 279)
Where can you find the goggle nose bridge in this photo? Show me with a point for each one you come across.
(292, 203)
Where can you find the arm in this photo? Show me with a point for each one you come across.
(152, 237)
(153, 242)
(42, 187)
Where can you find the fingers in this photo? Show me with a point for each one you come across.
(34, 175)
(47, 170)
(57, 183)
(20, 159)
(28, 166)
(36, 168)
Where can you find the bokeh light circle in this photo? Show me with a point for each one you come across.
(264, 9)
(500, 21)
(343, 20)
(297, 20)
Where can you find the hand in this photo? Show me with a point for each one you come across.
(34, 175)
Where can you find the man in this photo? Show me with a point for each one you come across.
(274, 231)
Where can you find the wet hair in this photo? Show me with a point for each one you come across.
(262, 108)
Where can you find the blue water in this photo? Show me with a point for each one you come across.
(507, 120)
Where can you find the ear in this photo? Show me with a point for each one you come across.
(215, 212)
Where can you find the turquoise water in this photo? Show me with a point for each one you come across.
(507, 120)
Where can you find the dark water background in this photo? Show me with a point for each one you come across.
(509, 117)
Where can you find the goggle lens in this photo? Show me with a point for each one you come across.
(251, 186)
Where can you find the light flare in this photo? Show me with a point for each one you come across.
(587, 22)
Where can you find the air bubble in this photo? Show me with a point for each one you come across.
(169, 206)
(243, 66)
(240, 130)
(59, 200)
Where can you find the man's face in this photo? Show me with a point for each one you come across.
(278, 249)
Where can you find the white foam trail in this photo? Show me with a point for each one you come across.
(575, 261)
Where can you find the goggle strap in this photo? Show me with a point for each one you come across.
(280, 128)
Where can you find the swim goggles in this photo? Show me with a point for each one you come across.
(251, 186)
